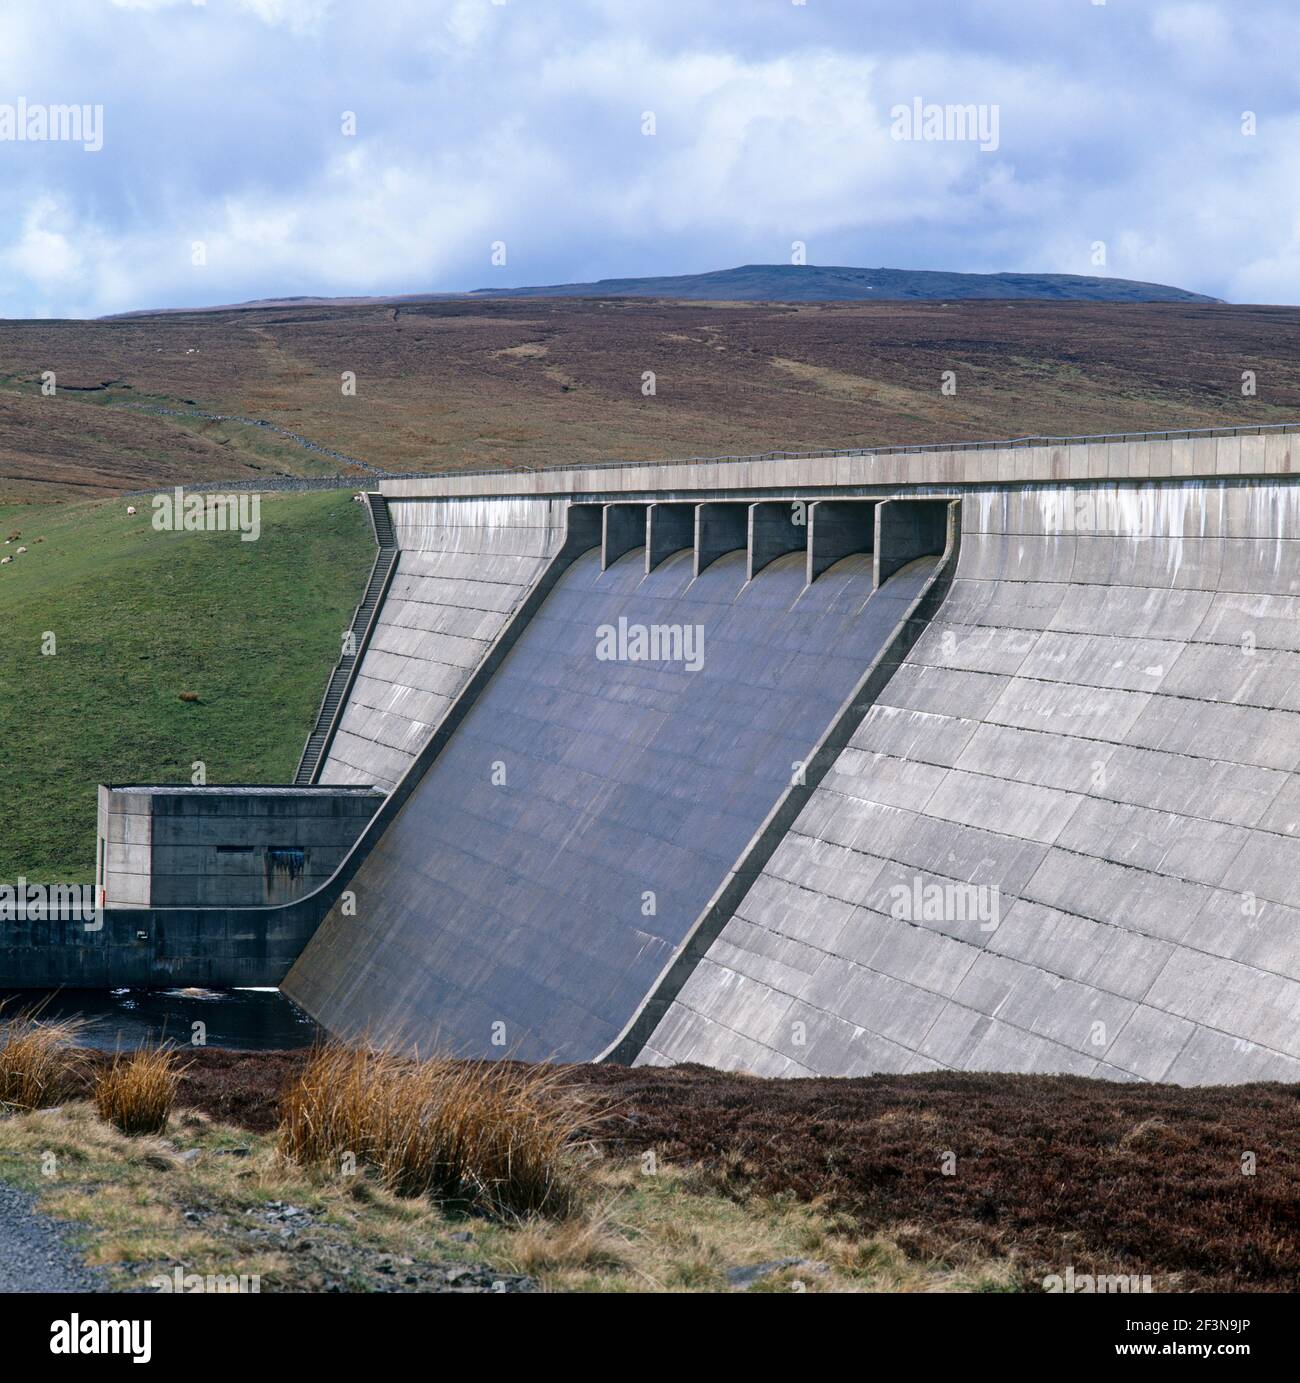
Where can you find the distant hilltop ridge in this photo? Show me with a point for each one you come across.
(790, 283)
(826, 283)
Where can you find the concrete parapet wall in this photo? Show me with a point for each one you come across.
(1139, 458)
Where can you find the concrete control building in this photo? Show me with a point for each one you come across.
(982, 758)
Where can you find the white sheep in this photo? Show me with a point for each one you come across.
(21, 550)
(130, 508)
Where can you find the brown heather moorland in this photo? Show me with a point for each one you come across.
(1052, 1171)
(470, 383)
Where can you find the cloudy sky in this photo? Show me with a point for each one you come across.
(523, 124)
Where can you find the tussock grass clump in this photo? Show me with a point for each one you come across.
(137, 1092)
(498, 1137)
(38, 1061)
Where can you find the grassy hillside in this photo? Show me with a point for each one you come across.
(139, 617)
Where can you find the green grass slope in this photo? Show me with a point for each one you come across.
(139, 617)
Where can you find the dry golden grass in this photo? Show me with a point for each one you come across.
(38, 1061)
(499, 1137)
(137, 1092)
(672, 1230)
(199, 1197)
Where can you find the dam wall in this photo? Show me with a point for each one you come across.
(1067, 836)
(554, 856)
(990, 763)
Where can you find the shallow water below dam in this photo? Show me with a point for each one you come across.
(238, 1019)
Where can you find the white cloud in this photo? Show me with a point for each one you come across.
(45, 249)
(1198, 32)
(522, 122)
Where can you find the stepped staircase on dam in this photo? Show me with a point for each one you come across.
(340, 683)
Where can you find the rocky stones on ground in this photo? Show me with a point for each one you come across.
(740, 1278)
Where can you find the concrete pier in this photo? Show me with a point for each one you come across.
(669, 528)
(719, 529)
(775, 528)
(623, 527)
(837, 529)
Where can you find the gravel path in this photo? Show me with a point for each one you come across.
(34, 1256)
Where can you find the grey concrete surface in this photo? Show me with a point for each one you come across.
(905, 530)
(622, 528)
(577, 821)
(719, 529)
(775, 528)
(1065, 839)
(338, 689)
(181, 847)
(915, 594)
(463, 568)
(669, 528)
(839, 528)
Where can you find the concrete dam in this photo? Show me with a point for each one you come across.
(556, 853)
(977, 758)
